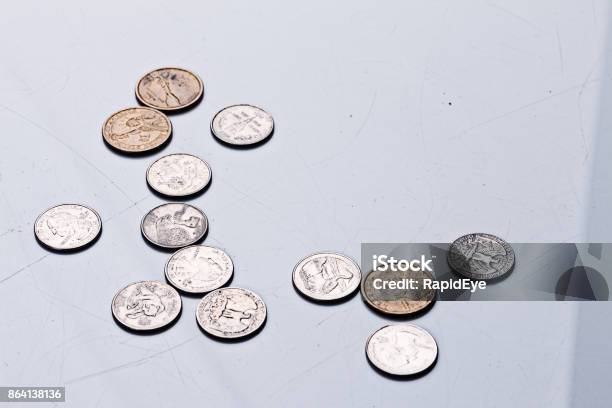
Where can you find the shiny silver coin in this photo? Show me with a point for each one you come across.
(326, 276)
(178, 175)
(481, 256)
(402, 349)
(146, 305)
(174, 225)
(67, 226)
(199, 269)
(242, 125)
(231, 313)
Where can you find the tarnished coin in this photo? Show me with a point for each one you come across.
(402, 349)
(397, 300)
(242, 125)
(136, 130)
(169, 89)
(326, 276)
(174, 225)
(481, 256)
(146, 305)
(199, 269)
(231, 313)
(67, 226)
(178, 175)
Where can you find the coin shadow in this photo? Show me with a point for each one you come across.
(134, 155)
(70, 251)
(244, 147)
(401, 317)
(147, 332)
(331, 302)
(180, 198)
(403, 378)
(234, 340)
(171, 250)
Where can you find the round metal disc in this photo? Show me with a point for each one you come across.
(178, 175)
(136, 130)
(242, 125)
(146, 305)
(481, 256)
(402, 349)
(169, 89)
(397, 301)
(326, 276)
(67, 226)
(199, 269)
(174, 225)
(231, 313)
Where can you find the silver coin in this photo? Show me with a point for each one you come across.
(178, 175)
(199, 269)
(402, 349)
(481, 256)
(242, 125)
(326, 276)
(146, 305)
(231, 313)
(67, 226)
(174, 225)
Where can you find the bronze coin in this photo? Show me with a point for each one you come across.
(397, 301)
(136, 130)
(169, 89)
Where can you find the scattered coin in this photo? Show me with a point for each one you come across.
(231, 313)
(397, 301)
(136, 130)
(178, 175)
(242, 125)
(174, 225)
(326, 276)
(146, 305)
(481, 256)
(67, 226)
(402, 349)
(169, 89)
(199, 269)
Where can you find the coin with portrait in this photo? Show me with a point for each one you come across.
(231, 313)
(146, 305)
(178, 175)
(199, 269)
(402, 349)
(169, 89)
(242, 125)
(136, 130)
(67, 226)
(326, 276)
(174, 225)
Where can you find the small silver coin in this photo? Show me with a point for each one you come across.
(481, 256)
(242, 125)
(326, 276)
(199, 269)
(174, 225)
(67, 226)
(231, 313)
(146, 305)
(178, 175)
(402, 349)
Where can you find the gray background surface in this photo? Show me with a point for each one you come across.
(396, 122)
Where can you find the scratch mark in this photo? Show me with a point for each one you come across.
(129, 364)
(23, 268)
(510, 13)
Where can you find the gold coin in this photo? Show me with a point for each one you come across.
(136, 130)
(169, 89)
(396, 300)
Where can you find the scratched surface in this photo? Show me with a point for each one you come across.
(412, 121)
